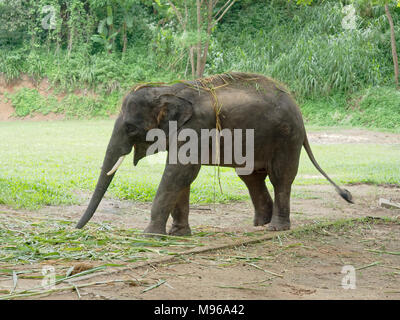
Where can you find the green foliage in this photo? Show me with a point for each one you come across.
(379, 108)
(27, 101)
(352, 65)
(105, 35)
(99, 46)
(30, 101)
(326, 111)
(306, 47)
(20, 193)
(83, 107)
(11, 64)
(376, 107)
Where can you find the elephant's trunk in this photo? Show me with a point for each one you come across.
(118, 147)
(110, 166)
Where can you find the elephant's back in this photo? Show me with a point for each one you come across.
(247, 101)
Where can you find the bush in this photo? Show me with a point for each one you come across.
(305, 47)
(380, 108)
(376, 107)
(11, 64)
(29, 101)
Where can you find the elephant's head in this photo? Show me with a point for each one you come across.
(145, 109)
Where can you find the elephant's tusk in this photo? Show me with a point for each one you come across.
(116, 166)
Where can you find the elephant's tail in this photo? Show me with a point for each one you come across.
(345, 194)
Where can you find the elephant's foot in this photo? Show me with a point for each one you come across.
(279, 225)
(177, 230)
(261, 219)
(153, 229)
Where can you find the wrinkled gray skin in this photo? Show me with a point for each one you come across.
(261, 104)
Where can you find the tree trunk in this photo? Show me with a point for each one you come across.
(70, 40)
(394, 49)
(125, 38)
(209, 31)
(198, 51)
(191, 55)
(111, 39)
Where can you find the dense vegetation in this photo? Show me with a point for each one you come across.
(339, 76)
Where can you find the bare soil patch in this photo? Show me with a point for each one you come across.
(353, 136)
(304, 265)
(6, 109)
(294, 267)
(44, 88)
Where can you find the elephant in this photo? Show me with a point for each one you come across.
(229, 101)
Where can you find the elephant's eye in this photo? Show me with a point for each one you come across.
(131, 129)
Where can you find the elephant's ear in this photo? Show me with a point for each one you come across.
(173, 108)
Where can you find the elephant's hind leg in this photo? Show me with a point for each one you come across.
(260, 197)
(283, 173)
(180, 215)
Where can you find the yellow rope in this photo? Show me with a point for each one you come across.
(217, 109)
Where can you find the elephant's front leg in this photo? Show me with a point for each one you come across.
(175, 180)
(180, 215)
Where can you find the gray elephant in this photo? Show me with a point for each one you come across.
(231, 101)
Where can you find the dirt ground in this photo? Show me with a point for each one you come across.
(287, 265)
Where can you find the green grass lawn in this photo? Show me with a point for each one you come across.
(52, 163)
